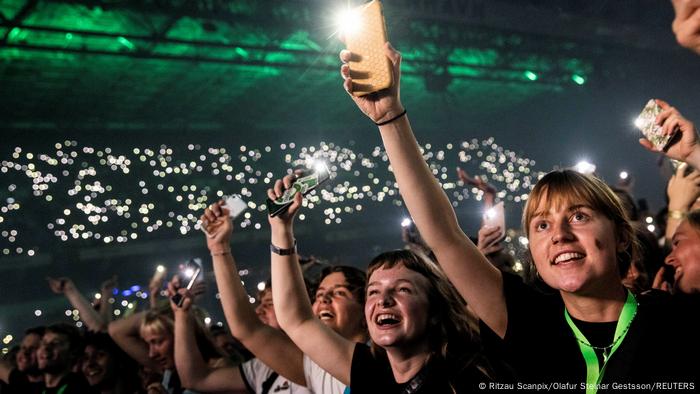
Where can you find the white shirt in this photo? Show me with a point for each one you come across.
(319, 381)
(256, 373)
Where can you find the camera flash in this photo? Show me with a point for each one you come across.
(405, 222)
(624, 175)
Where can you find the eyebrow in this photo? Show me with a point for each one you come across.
(572, 208)
(346, 286)
(370, 284)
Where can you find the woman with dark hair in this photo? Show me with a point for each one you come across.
(421, 339)
(337, 305)
(591, 330)
(684, 258)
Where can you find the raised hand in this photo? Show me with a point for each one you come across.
(683, 189)
(378, 106)
(218, 226)
(60, 285)
(285, 220)
(683, 147)
(489, 240)
(686, 24)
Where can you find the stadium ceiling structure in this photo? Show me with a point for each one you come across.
(208, 64)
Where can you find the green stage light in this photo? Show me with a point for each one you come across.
(530, 75)
(578, 79)
(126, 43)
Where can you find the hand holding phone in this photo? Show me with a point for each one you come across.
(303, 185)
(646, 122)
(365, 36)
(189, 272)
(495, 217)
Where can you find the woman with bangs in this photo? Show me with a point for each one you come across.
(591, 332)
(422, 341)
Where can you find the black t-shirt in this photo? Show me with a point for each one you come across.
(20, 384)
(370, 374)
(74, 384)
(540, 347)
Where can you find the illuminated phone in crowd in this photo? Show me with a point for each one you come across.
(235, 205)
(303, 185)
(189, 272)
(646, 122)
(496, 217)
(365, 35)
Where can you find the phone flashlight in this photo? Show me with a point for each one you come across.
(624, 175)
(190, 270)
(406, 222)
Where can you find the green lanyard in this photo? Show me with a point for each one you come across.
(60, 391)
(594, 374)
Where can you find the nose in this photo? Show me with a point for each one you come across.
(386, 299)
(259, 310)
(561, 232)
(152, 352)
(671, 260)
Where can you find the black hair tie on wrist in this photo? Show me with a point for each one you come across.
(392, 119)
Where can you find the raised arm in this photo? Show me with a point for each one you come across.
(193, 371)
(93, 320)
(268, 344)
(324, 346)
(125, 332)
(474, 277)
(683, 190)
(105, 310)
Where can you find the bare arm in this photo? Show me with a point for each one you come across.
(475, 278)
(125, 332)
(324, 346)
(191, 367)
(105, 311)
(5, 370)
(268, 344)
(682, 190)
(93, 320)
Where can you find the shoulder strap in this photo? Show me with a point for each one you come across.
(267, 384)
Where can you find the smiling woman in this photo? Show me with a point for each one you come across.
(422, 341)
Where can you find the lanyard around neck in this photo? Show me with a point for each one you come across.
(594, 374)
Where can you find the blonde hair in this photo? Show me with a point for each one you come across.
(560, 187)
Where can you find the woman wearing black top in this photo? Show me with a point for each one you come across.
(591, 331)
(421, 339)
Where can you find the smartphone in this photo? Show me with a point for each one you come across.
(496, 217)
(646, 122)
(371, 69)
(189, 272)
(235, 205)
(303, 185)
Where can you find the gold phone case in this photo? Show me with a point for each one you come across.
(646, 123)
(371, 69)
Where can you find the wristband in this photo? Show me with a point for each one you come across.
(221, 253)
(678, 215)
(283, 252)
(392, 119)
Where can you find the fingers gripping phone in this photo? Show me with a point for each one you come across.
(189, 272)
(303, 185)
(365, 36)
(495, 217)
(646, 122)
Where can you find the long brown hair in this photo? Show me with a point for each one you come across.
(452, 334)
